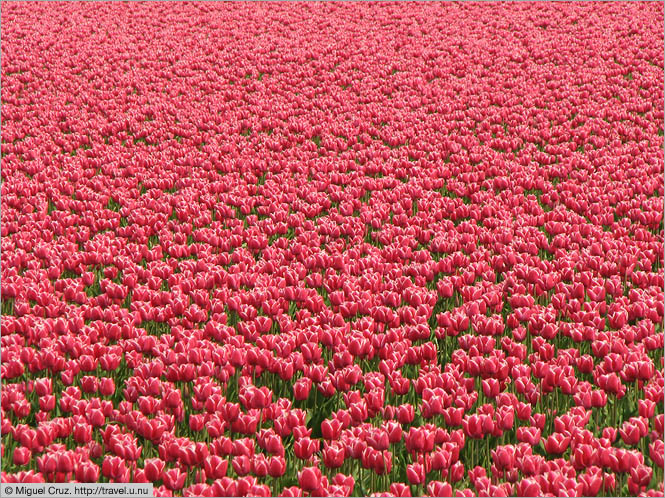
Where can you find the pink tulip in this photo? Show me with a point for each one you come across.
(309, 478)
(415, 473)
(174, 479)
(21, 456)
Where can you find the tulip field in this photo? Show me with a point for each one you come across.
(312, 249)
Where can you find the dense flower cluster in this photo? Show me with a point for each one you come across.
(334, 249)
